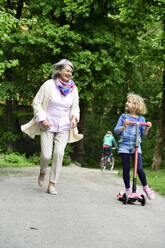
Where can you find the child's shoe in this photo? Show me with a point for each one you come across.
(128, 191)
(149, 192)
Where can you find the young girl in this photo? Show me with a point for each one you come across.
(135, 107)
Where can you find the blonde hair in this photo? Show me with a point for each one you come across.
(139, 104)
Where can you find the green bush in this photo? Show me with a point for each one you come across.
(34, 159)
(67, 159)
(15, 158)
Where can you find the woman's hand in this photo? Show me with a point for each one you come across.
(73, 122)
(46, 125)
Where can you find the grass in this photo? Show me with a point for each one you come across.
(7, 164)
(155, 179)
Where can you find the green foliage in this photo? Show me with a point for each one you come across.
(7, 24)
(8, 133)
(103, 47)
(116, 47)
(67, 159)
(34, 159)
(16, 159)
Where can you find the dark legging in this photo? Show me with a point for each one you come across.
(125, 157)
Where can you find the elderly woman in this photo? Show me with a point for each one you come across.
(56, 113)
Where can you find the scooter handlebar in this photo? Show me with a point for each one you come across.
(140, 123)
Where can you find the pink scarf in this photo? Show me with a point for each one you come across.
(64, 87)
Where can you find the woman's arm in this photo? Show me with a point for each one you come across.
(40, 103)
(75, 110)
(37, 104)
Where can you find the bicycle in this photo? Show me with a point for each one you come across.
(107, 162)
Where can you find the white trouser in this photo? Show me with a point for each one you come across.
(60, 141)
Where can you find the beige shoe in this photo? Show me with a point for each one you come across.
(41, 179)
(51, 190)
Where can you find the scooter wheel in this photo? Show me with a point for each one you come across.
(143, 200)
(124, 198)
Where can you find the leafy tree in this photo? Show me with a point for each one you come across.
(7, 24)
(147, 20)
(81, 31)
(101, 38)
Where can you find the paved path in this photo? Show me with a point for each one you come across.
(84, 214)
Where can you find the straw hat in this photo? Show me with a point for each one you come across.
(74, 135)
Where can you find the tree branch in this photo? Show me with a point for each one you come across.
(150, 32)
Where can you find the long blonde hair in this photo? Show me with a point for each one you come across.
(139, 104)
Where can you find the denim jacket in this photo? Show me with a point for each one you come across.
(127, 138)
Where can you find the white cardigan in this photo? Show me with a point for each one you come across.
(40, 104)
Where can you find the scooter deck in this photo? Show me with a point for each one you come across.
(131, 198)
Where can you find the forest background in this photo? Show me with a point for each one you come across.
(116, 46)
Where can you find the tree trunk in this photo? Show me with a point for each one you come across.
(9, 121)
(157, 159)
(19, 9)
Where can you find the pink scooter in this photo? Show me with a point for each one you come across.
(133, 197)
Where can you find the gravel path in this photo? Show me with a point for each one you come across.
(84, 214)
